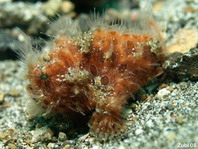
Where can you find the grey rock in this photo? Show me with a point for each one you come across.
(8, 40)
(183, 66)
(30, 16)
(6, 44)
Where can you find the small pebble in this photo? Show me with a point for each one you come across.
(158, 6)
(9, 134)
(95, 147)
(5, 105)
(51, 145)
(138, 132)
(2, 98)
(149, 123)
(169, 88)
(12, 146)
(122, 147)
(134, 106)
(171, 106)
(179, 119)
(67, 146)
(62, 136)
(163, 86)
(41, 134)
(51, 7)
(14, 93)
(190, 9)
(67, 6)
(163, 93)
(171, 136)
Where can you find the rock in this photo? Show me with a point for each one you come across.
(158, 6)
(5, 1)
(179, 119)
(183, 40)
(5, 105)
(2, 98)
(138, 132)
(182, 67)
(6, 44)
(163, 93)
(62, 136)
(51, 145)
(190, 9)
(122, 146)
(24, 12)
(95, 147)
(14, 93)
(67, 146)
(33, 16)
(67, 7)
(134, 106)
(9, 135)
(149, 124)
(12, 146)
(51, 7)
(41, 134)
(171, 136)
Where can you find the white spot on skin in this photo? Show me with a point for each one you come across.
(101, 41)
(110, 51)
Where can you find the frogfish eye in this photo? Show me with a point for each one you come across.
(44, 76)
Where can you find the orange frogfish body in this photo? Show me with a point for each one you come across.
(95, 71)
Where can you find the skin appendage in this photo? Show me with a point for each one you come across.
(97, 70)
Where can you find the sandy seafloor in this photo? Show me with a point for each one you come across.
(168, 119)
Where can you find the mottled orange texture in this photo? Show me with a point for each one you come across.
(97, 76)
